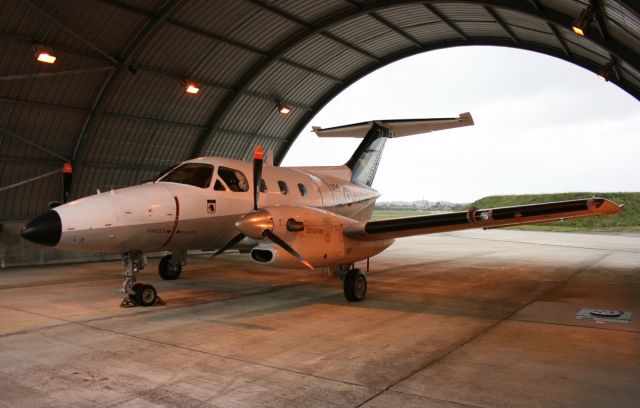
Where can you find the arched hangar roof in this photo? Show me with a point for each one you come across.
(114, 105)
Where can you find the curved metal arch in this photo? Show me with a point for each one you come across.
(550, 16)
(169, 7)
(328, 96)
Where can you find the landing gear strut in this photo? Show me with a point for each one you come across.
(136, 294)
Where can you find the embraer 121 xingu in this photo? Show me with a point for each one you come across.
(283, 217)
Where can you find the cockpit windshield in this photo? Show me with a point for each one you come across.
(194, 174)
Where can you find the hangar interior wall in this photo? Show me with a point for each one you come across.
(114, 106)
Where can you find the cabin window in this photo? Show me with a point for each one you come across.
(194, 174)
(219, 186)
(283, 187)
(303, 189)
(263, 186)
(235, 179)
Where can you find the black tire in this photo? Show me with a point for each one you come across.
(355, 286)
(134, 288)
(145, 295)
(167, 270)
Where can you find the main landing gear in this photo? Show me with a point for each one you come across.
(170, 266)
(354, 282)
(136, 293)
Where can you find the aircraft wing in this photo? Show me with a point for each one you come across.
(485, 218)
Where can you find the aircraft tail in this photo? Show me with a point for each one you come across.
(364, 161)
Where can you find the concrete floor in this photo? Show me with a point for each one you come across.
(468, 319)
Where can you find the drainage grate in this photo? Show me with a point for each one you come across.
(604, 315)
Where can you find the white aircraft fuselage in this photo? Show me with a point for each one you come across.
(169, 216)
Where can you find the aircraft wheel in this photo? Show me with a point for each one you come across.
(167, 270)
(134, 288)
(355, 285)
(145, 294)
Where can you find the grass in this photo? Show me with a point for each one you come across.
(385, 214)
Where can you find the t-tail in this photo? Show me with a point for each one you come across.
(364, 162)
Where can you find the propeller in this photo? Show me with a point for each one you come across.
(258, 156)
(229, 244)
(258, 223)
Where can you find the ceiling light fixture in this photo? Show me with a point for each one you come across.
(44, 54)
(582, 21)
(283, 108)
(191, 88)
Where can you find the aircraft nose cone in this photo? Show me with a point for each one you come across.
(45, 229)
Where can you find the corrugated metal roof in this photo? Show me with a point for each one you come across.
(114, 102)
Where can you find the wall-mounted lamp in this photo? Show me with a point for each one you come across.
(582, 21)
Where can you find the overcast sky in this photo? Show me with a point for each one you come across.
(542, 125)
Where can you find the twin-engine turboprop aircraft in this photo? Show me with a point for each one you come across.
(283, 217)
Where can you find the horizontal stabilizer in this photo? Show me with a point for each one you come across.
(396, 127)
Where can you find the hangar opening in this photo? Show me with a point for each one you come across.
(542, 125)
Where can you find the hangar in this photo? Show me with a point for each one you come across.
(113, 110)
(122, 69)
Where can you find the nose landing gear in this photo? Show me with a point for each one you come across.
(136, 293)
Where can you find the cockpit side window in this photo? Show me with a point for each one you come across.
(194, 174)
(235, 179)
(162, 173)
(218, 186)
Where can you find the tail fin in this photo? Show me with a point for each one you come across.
(365, 160)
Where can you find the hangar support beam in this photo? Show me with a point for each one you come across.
(16, 136)
(143, 36)
(72, 32)
(550, 16)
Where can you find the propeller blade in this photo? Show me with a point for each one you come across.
(276, 240)
(229, 244)
(258, 155)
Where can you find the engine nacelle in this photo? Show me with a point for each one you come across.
(316, 235)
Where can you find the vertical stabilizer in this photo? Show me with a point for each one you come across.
(365, 160)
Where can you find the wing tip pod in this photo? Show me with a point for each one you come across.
(466, 119)
(604, 206)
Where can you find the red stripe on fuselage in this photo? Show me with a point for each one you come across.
(175, 223)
